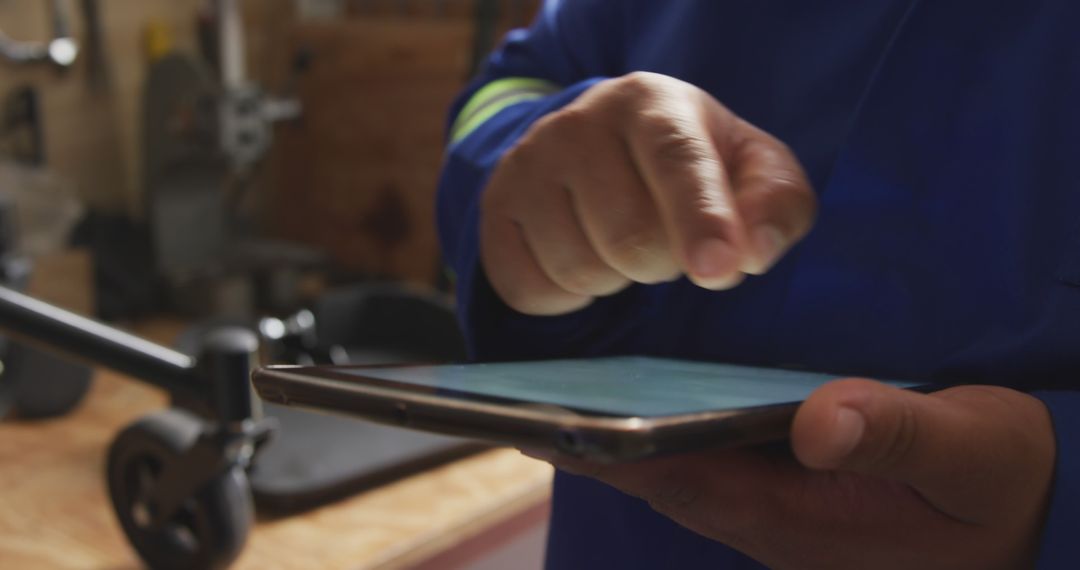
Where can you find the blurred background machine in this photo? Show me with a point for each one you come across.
(46, 216)
(206, 128)
(143, 147)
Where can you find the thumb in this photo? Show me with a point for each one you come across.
(956, 448)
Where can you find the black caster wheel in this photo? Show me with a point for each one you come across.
(209, 527)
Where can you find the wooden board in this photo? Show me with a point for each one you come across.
(65, 279)
(357, 175)
(54, 511)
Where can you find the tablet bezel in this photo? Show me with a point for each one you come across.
(600, 437)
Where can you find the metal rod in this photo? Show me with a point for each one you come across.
(52, 328)
(60, 27)
(231, 45)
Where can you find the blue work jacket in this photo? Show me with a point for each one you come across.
(943, 140)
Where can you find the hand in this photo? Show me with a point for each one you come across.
(881, 478)
(642, 179)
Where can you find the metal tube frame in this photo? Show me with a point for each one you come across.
(220, 381)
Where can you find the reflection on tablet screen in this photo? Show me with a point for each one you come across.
(624, 386)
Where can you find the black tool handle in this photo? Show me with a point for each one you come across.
(49, 327)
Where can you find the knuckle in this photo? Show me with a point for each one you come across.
(635, 86)
(568, 122)
(563, 140)
(518, 161)
(640, 252)
(673, 141)
(637, 90)
(631, 242)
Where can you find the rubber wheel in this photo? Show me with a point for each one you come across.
(209, 530)
(44, 385)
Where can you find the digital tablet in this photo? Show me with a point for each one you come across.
(605, 409)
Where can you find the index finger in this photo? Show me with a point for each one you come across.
(682, 168)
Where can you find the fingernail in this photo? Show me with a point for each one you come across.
(769, 243)
(714, 259)
(848, 428)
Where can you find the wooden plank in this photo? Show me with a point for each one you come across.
(357, 175)
(371, 50)
(512, 13)
(65, 279)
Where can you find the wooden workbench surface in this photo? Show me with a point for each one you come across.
(54, 511)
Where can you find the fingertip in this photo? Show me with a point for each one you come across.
(713, 258)
(553, 305)
(718, 284)
(714, 264)
(769, 245)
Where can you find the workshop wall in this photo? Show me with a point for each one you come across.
(90, 113)
(357, 175)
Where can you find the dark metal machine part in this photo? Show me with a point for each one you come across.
(181, 480)
(33, 383)
(358, 324)
(174, 460)
(22, 126)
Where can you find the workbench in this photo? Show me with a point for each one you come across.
(54, 510)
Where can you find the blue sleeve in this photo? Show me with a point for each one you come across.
(573, 44)
(1061, 534)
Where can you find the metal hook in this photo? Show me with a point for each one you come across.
(62, 50)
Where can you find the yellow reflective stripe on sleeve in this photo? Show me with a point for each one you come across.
(489, 111)
(495, 97)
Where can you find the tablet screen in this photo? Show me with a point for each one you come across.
(617, 386)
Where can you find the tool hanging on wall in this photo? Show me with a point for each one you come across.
(61, 50)
(21, 133)
(93, 52)
(206, 128)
